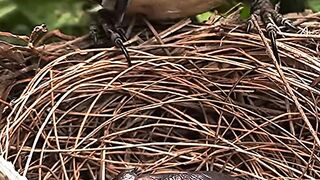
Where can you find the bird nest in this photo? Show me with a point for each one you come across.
(207, 97)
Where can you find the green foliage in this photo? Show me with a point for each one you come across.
(20, 16)
(245, 12)
(204, 16)
(56, 14)
(6, 7)
(314, 5)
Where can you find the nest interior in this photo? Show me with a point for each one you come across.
(207, 97)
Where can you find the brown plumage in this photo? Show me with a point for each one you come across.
(165, 9)
(171, 9)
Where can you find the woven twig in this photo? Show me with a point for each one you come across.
(198, 97)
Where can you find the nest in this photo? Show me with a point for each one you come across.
(205, 97)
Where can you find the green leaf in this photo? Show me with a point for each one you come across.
(55, 14)
(245, 11)
(314, 5)
(6, 7)
(204, 17)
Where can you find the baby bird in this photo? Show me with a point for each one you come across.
(199, 175)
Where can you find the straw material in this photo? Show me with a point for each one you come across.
(198, 97)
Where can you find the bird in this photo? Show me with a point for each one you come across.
(197, 175)
(161, 10)
(113, 12)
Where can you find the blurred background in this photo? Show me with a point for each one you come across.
(72, 16)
